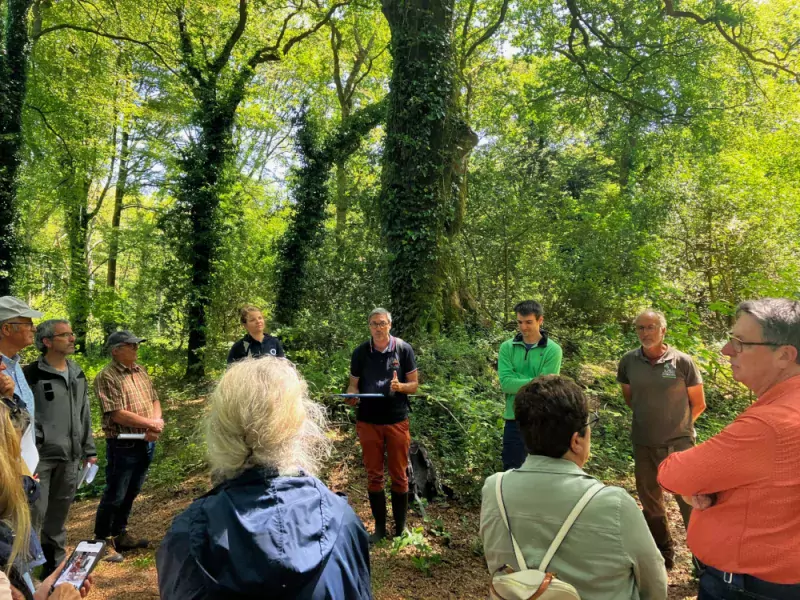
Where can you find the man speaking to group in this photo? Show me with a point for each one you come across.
(385, 366)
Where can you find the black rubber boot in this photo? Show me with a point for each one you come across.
(377, 502)
(399, 509)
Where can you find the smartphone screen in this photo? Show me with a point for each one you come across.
(81, 563)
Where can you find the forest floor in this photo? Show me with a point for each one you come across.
(451, 531)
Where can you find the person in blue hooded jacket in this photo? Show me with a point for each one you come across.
(270, 529)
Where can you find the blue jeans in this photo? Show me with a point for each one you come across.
(128, 461)
(514, 452)
(715, 585)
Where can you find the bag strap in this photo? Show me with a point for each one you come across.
(562, 533)
(517, 550)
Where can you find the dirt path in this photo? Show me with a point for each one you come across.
(451, 532)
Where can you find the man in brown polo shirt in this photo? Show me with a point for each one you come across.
(131, 423)
(664, 389)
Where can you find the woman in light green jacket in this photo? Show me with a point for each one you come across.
(608, 553)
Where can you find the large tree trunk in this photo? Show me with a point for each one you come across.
(110, 322)
(342, 204)
(426, 151)
(116, 217)
(75, 199)
(13, 82)
(204, 165)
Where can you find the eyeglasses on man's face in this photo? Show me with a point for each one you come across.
(648, 328)
(65, 335)
(379, 324)
(594, 418)
(738, 344)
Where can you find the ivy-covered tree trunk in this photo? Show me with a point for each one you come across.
(204, 163)
(218, 87)
(426, 149)
(305, 231)
(75, 199)
(110, 320)
(13, 80)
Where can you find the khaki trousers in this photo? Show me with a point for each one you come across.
(646, 460)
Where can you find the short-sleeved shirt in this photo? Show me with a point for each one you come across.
(249, 346)
(659, 397)
(122, 388)
(374, 370)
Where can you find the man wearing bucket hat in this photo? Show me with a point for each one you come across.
(16, 333)
(132, 423)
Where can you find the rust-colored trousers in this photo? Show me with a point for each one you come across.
(393, 440)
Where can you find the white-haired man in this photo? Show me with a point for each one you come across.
(750, 472)
(664, 389)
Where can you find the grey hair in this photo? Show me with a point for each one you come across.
(47, 329)
(261, 416)
(379, 311)
(779, 319)
(662, 320)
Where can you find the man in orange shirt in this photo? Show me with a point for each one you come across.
(745, 482)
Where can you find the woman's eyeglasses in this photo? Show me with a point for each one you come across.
(594, 418)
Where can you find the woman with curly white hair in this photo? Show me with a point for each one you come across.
(270, 529)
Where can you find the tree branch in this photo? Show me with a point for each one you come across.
(110, 36)
(91, 214)
(52, 130)
(732, 38)
(223, 57)
(336, 43)
(488, 32)
(187, 49)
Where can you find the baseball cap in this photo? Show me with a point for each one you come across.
(11, 307)
(123, 337)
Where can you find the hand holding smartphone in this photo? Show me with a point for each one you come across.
(81, 563)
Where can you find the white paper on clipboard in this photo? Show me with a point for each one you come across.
(28, 447)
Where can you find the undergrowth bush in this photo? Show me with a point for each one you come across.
(457, 412)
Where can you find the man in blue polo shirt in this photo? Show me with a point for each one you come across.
(16, 333)
(386, 365)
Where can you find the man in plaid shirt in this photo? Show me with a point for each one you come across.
(130, 408)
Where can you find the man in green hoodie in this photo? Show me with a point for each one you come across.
(529, 354)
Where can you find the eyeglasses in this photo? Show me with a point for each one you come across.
(593, 419)
(65, 335)
(380, 324)
(648, 328)
(738, 345)
(28, 325)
